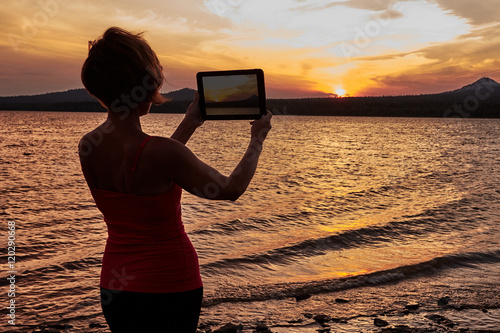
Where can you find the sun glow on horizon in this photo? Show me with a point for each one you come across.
(340, 92)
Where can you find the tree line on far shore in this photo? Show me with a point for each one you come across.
(438, 105)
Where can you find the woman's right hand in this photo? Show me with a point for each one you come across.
(261, 127)
(192, 120)
(193, 113)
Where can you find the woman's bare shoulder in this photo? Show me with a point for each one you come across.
(168, 152)
(166, 147)
(93, 139)
(88, 142)
(85, 145)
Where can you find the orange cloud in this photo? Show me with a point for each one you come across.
(445, 66)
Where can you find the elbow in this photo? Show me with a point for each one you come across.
(233, 190)
(230, 190)
(224, 193)
(234, 195)
(232, 198)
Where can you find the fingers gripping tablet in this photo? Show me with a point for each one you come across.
(235, 94)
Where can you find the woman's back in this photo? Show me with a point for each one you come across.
(118, 163)
(147, 245)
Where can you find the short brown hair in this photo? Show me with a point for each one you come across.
(119, 62)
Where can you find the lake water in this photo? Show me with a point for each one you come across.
(380, 211)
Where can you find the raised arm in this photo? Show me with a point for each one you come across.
(191, 121)
(198, 178)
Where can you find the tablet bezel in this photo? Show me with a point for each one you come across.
(260, 87)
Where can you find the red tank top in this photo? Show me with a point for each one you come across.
(147, 249)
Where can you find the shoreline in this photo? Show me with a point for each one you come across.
(411, 318)
(464, 299)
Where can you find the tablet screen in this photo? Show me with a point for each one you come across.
(232, 94)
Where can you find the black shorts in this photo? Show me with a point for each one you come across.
(128, 311)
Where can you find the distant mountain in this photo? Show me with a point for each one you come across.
(185, 94)
(250, 102)
(74, 95)
(482, 86)
(81, 95)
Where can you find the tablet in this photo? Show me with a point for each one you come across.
(235, 94)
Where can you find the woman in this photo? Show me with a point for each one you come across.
(150, 279)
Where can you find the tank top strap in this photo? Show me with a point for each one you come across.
(138, 154)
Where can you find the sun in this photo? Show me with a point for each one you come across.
(340, 91)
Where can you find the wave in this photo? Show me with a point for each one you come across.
(230, 227)
(365, 236)
(333, 205)
(36, 273)
(289, 290)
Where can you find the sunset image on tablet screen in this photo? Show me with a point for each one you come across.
(231, 94)
(229, 88)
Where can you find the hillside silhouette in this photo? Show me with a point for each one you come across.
(79, 100)
(81, 95)
(480, 99)
(251, 102)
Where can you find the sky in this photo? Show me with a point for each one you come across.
(307, 48)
